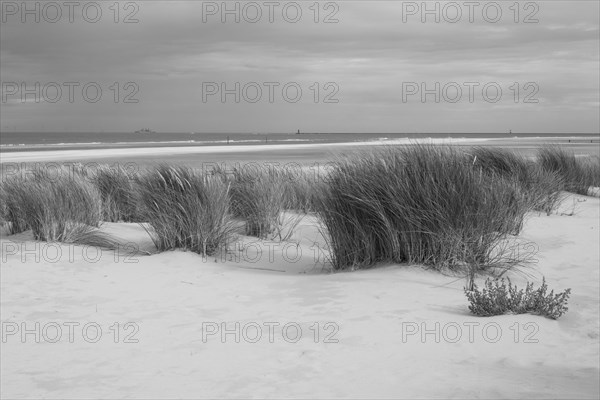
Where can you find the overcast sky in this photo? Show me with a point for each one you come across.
(373, 64)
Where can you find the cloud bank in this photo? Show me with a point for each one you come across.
(345, 66)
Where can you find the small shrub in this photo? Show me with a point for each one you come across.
(496, 298)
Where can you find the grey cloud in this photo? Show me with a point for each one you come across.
(369, 53)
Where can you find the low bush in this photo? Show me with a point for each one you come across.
(186, 209)
(496, 298)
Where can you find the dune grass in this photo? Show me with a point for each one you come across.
(432, 205)
(260, 195)
(300, 187)
(578, 174)
(117, 190)
(418, 204)
(501, 161)
(542, 188)
(257, 196)
(187, 210)
(60, 207)
(11, 211)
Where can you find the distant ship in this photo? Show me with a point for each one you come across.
(145, 130)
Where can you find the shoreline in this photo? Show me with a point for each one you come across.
(304, 150)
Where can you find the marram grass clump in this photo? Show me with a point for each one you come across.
(260, 194)
(56, 205)
(186, 209)
(542, 187)
(578, 173)
(11, 206)
(496, 298)
(258, 197)
(418, 204)
(117, 189)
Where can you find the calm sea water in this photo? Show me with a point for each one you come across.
(50, 139)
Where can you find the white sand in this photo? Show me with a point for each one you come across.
(172, 296)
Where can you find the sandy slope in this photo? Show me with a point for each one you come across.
(371, 349)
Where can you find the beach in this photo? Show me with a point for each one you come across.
(299, 200)
(302, 153)
(270, 319)
(175, 325)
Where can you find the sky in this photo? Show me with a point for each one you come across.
(337, 66)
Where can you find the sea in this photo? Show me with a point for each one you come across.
(15, 141)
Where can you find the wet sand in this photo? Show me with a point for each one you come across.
(303, 154)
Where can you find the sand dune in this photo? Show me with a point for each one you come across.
(395, 331)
